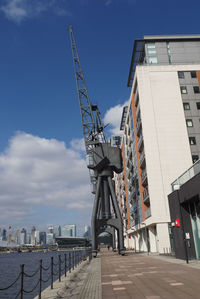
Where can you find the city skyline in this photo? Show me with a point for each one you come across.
(43, 174)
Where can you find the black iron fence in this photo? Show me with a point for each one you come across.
(66, 263)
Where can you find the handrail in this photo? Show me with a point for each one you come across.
(75, 257)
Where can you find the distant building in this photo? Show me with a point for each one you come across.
(87, 232)
(50, 229)
(69, 230)
(42, 238)
(57, 231)
(50, 239)
(33, 239)
(4, 234)
(23, 236)
(37, 237)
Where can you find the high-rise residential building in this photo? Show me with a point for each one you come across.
(23, 236)
(161, 134)
(4, 234)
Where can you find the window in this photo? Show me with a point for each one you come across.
(198, 105)
(151, 46)
(193, 74)
(192, 140)
(153, 60)
(189, 122)
(151, 51)
(196, 89)
(183, 89)
(186, 106)
(195, 158)
(181, 75)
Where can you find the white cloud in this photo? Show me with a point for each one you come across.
(113, 118)
(78, 144)
(36, 171)
(19, 10)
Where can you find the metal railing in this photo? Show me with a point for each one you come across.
(66, 263)
(186, 176)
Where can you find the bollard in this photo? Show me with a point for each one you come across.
(70, 262)
(22, 281)
(59, 274)
(65, 264)
(52, 272)
(40, 280)
(73, 258)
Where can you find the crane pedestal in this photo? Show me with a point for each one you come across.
(102, 218)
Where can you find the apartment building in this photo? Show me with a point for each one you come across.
(160, 135)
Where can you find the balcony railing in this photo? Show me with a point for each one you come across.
(144, 177)
(136, 98)
(142, 159)
(145, 195)
(137, 111)
(133, 193)
(140, 143)
(147, 213)
(138, 126)
(186, 176)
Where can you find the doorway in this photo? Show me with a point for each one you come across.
(194, 208)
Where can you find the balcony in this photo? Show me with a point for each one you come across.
(140, 143)
(138, 111)
(133, 194)
(147, 213)
(145, 195)
(130, 140)
(132, 179)
(136, 97)
(142, 160)
(138, 126)
(144, 177)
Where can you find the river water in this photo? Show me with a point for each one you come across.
(10, 269)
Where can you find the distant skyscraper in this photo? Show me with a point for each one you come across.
(33, 239)
(37, 237)
(56, 230)
(23, 236)
(50, 239)
(4, 234)
(69, 230)
(43, 238)
(87, 231)
(50, 229)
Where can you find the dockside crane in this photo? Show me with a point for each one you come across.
(102, 160)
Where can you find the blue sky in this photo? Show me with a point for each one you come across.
(39, 115)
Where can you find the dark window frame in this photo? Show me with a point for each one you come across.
(187, 120)
(192, 140)
(195, 158)
(193, 74)
(183, 87)
(181, 75)
(198, 105)
(185, 105)
(196, 89)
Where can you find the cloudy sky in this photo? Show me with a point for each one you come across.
(43, 177)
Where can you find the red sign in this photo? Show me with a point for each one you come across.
(178, 222)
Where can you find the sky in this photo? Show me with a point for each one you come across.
(43, 175)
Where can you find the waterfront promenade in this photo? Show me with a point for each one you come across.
(134, 275)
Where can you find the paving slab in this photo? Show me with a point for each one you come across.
(141, 276)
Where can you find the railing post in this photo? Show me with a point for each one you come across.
(22, 281)
(73, 257)
(40, 283)
(65, 264)
(70, 262)
(52, 272)
(59, 274)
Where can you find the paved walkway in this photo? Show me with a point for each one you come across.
(151, 277)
